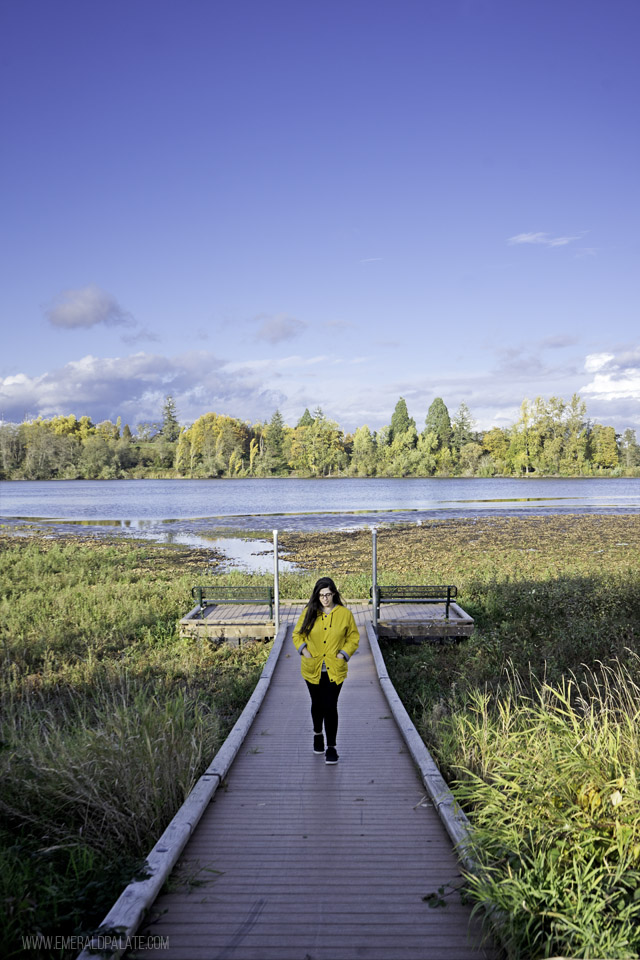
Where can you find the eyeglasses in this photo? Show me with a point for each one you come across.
(325, 594)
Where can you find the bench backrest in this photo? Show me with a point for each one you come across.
(206, 595)
(240, 594)
(416, 592)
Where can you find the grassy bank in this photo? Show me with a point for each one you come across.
(108, 718)
(535, 719)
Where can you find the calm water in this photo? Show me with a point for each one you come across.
(181, 511)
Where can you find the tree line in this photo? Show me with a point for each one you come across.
(551, 437)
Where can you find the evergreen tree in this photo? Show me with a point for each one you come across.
(305, 420)
(401, 422)
(275, 442)
(462, 427)
(438, 422)
(170, 425)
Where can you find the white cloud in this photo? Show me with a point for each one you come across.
(613, 394)
(541, 238)
(134, 388)
(610, 386)
(87, 307)
(280, 327)
(596, 361)
(617, 377)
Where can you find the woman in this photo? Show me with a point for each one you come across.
(326, 637)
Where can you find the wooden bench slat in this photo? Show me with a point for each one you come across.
(415, 593)
(216, 594)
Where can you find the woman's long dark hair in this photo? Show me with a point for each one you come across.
(314, 607)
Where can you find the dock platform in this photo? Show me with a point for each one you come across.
(235, 624)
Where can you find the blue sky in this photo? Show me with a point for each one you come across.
(293, 203)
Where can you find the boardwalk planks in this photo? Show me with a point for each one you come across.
(295, 859)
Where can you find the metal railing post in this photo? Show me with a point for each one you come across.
(276, 582)
(374, 577)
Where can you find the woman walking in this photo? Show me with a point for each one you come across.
(326, 636)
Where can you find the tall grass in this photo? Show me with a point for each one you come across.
(550, 781)
(107, 718)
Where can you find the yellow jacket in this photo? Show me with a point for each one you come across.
(331, 634)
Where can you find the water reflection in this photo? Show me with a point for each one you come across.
(211, 514)
(252, 554)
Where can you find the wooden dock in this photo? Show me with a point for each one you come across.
(297, 860)
(235, 623)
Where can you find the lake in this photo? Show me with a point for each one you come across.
(183, 511)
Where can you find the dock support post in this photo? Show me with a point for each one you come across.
(276, 583)
(374, 577)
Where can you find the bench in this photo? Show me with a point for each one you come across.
(211, 596)
(415, 594)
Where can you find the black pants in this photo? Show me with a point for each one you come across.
(324, 707)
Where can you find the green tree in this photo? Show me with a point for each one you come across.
(97, 460)
(462, 427)
(125, 455)
(183, 461)
(401, 422)
(426, 462)
(65, 426)
(305, 420)
(547, 434)
(519, 452)
(47, 455)
(170, 425)
(325, 452)
(438, 422)
(363, 456)
(496, 444)
(85, 428)
(469, 457)
(12, 449)
(576, 442)
(274, 437)
(107, 430)
(629, 450)
(605, 447)
(213, 446)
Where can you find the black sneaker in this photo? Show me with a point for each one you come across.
(318, 743)
(331, 756)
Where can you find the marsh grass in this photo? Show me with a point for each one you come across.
(107, 719)
(550, 781)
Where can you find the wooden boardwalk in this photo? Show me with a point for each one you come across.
(297, 860)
